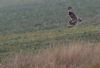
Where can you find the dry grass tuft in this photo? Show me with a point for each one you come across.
(73, 56)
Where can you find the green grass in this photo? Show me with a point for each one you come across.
(46, 14)
(32, 26)
(34, 41)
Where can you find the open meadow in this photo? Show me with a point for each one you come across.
(37, 30)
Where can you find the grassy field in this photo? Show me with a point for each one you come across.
(34, 41)
(74, 55)
(34, 25)
(43, 14)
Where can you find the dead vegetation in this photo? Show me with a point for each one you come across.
(73, 56)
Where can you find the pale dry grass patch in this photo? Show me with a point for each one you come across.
(75, 55)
